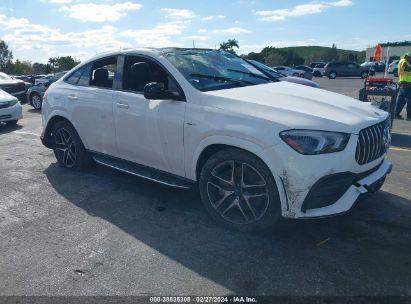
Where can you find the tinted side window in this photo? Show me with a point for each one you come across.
(139, 71)
(103, 72)
(74, 77)
(84, 79)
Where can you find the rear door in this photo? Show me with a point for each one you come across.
(353, 70)
(90, 94)
(149, 132)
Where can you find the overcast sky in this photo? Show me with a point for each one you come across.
(38, 29)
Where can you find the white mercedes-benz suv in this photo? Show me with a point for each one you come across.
(258, 148)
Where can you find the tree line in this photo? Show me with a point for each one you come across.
(292, 56)
(23, 67)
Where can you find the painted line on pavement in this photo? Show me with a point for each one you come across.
(400, 149)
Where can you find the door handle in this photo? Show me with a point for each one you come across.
(122, 105)
(72, 97)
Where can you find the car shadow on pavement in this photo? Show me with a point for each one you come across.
(361, 253)
(5, 128)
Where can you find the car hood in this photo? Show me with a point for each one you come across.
(10, 82)
(300, 80)
(293, 106)
(4, 96)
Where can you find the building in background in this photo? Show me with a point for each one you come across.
(397, 49)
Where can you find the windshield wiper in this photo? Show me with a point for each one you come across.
(221, 78)
(249, 74)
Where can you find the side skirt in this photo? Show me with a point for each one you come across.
(147, 173)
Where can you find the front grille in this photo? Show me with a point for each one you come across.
(373, 142)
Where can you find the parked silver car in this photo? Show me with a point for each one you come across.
(289, 71)
(35, 93)
(308, 72)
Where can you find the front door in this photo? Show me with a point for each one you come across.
(89, 91)
(148, 132)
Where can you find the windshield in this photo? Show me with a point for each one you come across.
(267, 69)
(210, 70)
(4, 76)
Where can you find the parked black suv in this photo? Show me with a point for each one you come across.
(347, 69)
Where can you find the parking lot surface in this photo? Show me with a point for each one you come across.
(101, 232)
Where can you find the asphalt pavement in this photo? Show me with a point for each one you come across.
(101, 232)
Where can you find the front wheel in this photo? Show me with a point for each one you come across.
(68, 147)
(239, 191)
(36, 101)
(332, 75)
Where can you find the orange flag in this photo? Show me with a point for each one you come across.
(378, 52)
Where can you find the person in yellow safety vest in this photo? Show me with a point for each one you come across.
(404, 95)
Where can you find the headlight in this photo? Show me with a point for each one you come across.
(13, 102)
(310, 142)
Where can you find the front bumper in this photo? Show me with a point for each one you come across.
(11, 113)
(362, 184)
(296, 175)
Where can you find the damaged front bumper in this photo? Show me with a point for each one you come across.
(366, 182)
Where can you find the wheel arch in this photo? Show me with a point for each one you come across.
(32, 93)
(214, 144)
(206, 151)
(47, 135)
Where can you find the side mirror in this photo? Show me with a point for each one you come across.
(155, 90)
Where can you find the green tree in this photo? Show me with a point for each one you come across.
(229, 45)
(6, 56)
(66, 63)
(333, 53)
(22, 68)
(53, 62)
(274, 58)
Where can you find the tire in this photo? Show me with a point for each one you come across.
(68, 147)
(11, 122)
(364, 74)
(235, 204)
(36, 101)
(332, 75)
(317, 74)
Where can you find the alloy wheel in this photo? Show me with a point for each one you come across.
(238, 192)
(36, 101)
(65, 148)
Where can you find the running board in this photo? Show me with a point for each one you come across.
(143, 171)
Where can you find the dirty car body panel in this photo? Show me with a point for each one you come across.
(252, 118)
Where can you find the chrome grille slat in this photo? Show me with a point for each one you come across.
(374, 133)
(370, 144)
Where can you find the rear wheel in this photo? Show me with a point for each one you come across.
(364, 74)
(239, 191)
(317, 74)
(68, 147)
(332, 75)
(36, 101)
